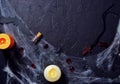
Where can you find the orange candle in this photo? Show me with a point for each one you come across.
(6, 41)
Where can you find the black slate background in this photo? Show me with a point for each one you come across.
(71, 24)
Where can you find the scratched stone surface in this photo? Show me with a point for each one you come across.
(69, 24)
(26, 61)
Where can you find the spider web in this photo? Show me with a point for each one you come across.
(26, 61)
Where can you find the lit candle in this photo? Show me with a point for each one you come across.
(52, 73)
(6, 41)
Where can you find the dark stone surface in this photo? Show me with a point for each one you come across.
(2, 65)
(70, 24)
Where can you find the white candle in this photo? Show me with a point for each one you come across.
(52, 73)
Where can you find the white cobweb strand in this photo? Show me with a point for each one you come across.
(29, 75)
(118, 27)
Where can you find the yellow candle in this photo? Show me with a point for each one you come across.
(6, 41)
(52, 73)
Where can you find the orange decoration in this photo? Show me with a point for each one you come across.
(6, 41)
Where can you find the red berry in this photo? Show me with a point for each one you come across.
(33, 66)
(68, 60)
(71, 68)
(46, 46)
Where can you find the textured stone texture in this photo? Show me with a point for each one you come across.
(71, 24)
(67, 23)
